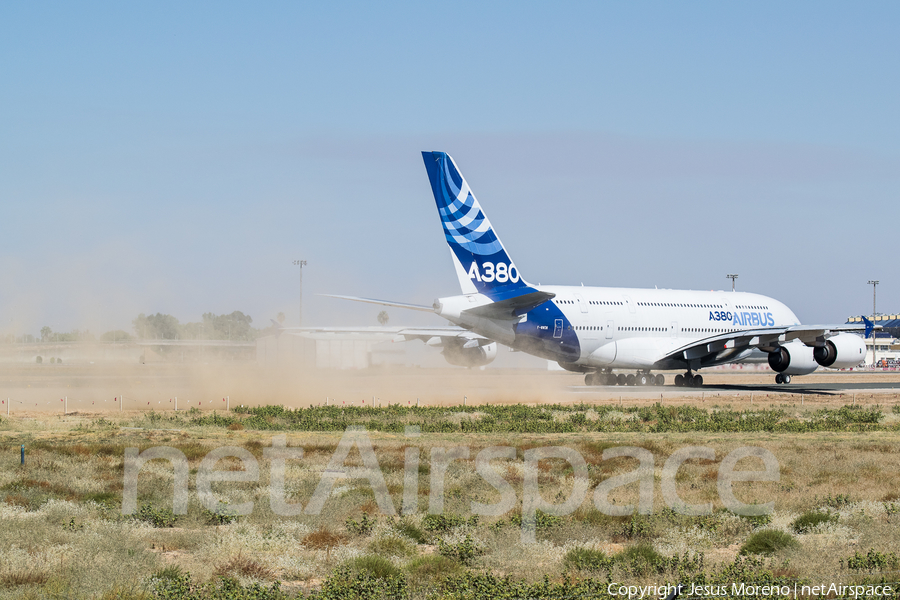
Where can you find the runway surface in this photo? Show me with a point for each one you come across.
(817, 388)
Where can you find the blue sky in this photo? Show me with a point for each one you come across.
(172, 158)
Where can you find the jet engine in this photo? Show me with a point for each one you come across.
(842, 351)
(794, 358)
(458, 354)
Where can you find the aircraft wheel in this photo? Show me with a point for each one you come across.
(642, 379)
(660, 379)
(589, 379)
(621, 379)
(698, 381)
(629, 379)
(679, 380)
(779, 379)
(786, 378)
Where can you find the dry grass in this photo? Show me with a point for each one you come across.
(74, 471)
(322, 539)
(243, 566)
(23, 577)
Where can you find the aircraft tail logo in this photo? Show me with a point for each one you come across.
(482, 264)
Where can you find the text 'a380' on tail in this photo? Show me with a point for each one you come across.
(482, 263)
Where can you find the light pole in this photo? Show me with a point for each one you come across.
(873, 283)
(301, 264)
(732, 277)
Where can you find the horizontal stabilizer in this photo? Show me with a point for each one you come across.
(506, 309)
(382, 302)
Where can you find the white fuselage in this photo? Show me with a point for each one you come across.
(599, 327)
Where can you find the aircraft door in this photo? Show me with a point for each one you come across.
(557, 328)
(581, 303)
(674, 329)
(610, 325)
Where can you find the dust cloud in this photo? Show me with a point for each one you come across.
(100, 387)
(110, 386)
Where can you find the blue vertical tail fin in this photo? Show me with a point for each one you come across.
(482, 264)
(870, 327)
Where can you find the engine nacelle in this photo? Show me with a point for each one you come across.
(794, 358)
(477, 356)
(842, 351)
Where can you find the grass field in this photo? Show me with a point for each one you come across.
(63, 535)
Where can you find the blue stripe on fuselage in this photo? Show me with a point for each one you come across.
(535, 335)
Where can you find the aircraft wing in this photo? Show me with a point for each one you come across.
(723, 345)
(433, 336)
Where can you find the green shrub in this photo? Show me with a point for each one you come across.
(757, 520)
(390, 546)
(578, 419)
(543, 419)
(639, 527)
(587, 559)
(767, 541)
(837, 501)
(158, 517)
(642, 551)
(349, 584)
(641, 559)
(465, 551)
(172, 572)
(221, 516)
(872, 561)
(541, 520)
(377, 567)
(409, 530)
(444, 523)
(428, 571)
(176, 585)
(808, 521)
(592, 516)
(362, 527)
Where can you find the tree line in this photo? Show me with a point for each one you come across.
(236, 327)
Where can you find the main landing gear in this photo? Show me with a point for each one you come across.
(782, 378)
(688, 380)
(608, 378)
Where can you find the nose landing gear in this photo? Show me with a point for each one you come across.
(782, 378)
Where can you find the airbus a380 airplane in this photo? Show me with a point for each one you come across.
(596, 330)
